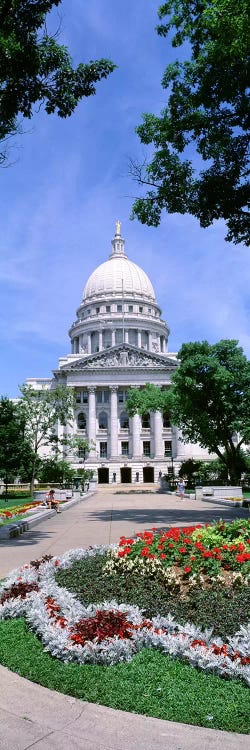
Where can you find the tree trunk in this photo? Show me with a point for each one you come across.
(33, 476)
(6, 490)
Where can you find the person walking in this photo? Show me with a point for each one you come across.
(181, 489)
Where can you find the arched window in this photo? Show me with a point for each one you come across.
(166, 420)
(81, 421)
(124, 421)
(145, 421)
(103, 421)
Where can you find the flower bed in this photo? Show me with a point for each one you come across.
(189, 556)
(110, 632)
(18, 510)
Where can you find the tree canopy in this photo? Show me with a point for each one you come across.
(208, 106)
(35, 69)
(209, 400)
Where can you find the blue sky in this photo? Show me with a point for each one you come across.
(69, 183)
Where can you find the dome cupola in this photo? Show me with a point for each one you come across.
(118, 275)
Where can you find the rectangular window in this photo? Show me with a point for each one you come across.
(130, 308)
(107, 308)
(103, 397)
(125, 448)
(122, 397)
(103, 450)
(140, 309)
(97, 310)
(82, 453)
(119, 308)
(146, 447)
(167, 448)
(78, 397)
(85, 397)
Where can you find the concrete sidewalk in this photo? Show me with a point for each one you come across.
(34, 716)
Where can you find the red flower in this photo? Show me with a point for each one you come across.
(187, 569)
(243, 557)
(241, 547)
(145, 552)
(162, 556)
(207, 554)
(182, 550)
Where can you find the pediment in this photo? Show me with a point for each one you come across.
(122, 356)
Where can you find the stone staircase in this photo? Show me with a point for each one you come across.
(128, 488)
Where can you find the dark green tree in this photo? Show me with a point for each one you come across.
(55, 470)
(13, 445)
(209, 400)
(190, 470)
(207, 107)
(35, 69)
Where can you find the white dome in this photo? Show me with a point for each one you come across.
(118, 275)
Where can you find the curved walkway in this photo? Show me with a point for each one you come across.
(33, 716)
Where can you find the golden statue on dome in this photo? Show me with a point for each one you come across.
(118, 228)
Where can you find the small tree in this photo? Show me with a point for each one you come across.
(13, 446)
(55, 470)
(190, 470)
(209, 400)
(40, 411)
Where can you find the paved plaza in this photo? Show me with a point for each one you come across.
(26, 715)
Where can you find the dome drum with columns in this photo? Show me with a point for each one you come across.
(119, 340)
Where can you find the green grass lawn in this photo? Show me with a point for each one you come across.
(151, 684)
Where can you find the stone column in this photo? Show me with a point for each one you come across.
(126, 337)
(89, 343)
(100, 341)
(150, 341)
(158, 441)
(114, 423)
(113, 338)
(92, 421)
(139, 339)
(136, 429)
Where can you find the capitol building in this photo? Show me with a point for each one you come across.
(119, 340)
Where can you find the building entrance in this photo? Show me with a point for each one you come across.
(103, 476)
(148, 474)
(126, 475)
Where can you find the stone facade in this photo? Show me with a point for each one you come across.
(120, 340)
